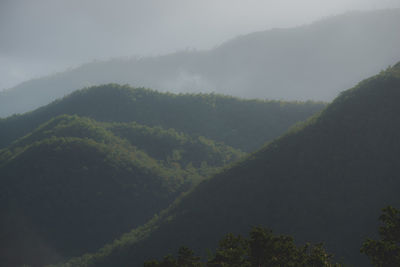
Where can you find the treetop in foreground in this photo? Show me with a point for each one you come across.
(261, 248)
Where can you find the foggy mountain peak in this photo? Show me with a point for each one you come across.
(300, 63)
(41, 37)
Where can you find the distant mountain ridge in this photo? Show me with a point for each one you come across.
(321, 59)
(242, 124)
(324, 181)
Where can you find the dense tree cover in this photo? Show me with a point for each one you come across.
(72, 185)
(168, 147)
(314, 61)
(64, 196)
(172, 146)
(324, 180)
(242, 124)
(260, 249)
(386, 251)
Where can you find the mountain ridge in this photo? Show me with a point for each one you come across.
(206, 115)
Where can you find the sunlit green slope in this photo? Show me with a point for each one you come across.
(73, 184)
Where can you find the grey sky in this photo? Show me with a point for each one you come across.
(42, 36)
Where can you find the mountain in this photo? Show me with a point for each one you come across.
(242, 124)
(323, 181)
(165, 146)
(320, 60)
(73, 184)
(86, 168)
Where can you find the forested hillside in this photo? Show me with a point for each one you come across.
(325, 180)
(242, 124)
(313, 61)
(74, 184)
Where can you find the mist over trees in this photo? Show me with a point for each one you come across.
(321, 60)
(150, 161)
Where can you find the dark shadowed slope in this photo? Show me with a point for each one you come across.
(242, 124)
(323, 181)
(314, 61)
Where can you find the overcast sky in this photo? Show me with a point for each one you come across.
(43, 36)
